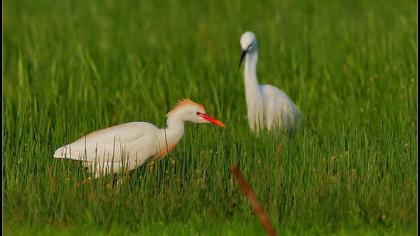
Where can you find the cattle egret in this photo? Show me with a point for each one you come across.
(267, 105)
(130, 145)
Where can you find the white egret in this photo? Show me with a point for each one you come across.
(268, 107)
(130, 145)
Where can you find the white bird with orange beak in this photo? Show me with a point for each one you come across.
(130, 145)
(268, 107)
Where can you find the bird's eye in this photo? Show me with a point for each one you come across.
(198, 113)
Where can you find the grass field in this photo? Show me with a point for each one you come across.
(70, 68)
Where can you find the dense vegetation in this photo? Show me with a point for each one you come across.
(351, 67)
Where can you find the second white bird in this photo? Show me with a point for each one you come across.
(268, 107)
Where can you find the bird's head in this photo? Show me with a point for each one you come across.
(248, 44)
(187, 110)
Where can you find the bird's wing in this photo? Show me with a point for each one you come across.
(274, 92)
(277, 105)
(132, 140)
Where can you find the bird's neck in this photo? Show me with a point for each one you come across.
(250, 69)
(254, 99)
(252, 88)
(172, 134)
(175, 125)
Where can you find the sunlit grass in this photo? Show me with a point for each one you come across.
(71, 68)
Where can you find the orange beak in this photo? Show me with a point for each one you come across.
(212, 120)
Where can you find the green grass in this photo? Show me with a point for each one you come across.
(351, 66)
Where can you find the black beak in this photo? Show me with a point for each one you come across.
(242, 56)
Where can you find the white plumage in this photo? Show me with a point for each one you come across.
(268, 107)
(130, 145)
